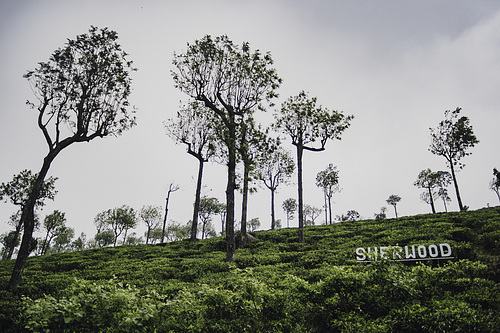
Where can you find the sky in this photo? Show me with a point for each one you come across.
(395, 65)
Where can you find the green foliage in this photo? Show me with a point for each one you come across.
(275, 285)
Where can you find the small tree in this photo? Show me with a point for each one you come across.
(309, 127)
(274, 168)
(208, 208)
(81, 94)
(393, 200)
(452, 140)
(495, 183)
(54, 224)
(194, 128)
(289, 206)
(328, 180)
(253, 224)
(151, 216)
(311, 212)
(18, 191)
(382, 215)
(62, 241)
(430, 181)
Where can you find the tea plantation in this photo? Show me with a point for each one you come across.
(275, 285)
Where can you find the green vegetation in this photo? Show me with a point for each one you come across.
(275, 284)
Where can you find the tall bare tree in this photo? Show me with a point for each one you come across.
(81, 94)
(232, 81)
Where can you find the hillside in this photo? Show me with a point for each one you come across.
(275, 284)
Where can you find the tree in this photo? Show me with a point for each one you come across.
(382, 215)
(352, 215)
(121, 220)
(231, 81)
(151, 216)
(312, 212)
(274, 168)
(253, 224)
(253, 143)
(54, 224)
(443, 194)
(192, 127)
(9, 240)
(80, 243)
(393, 200)
(208, 208)
(452, 140)
(62, 241)
(289, 206)
(430, 181)
(171, 189)
(328, 180)
(18, 191)
(309, 127)
(81, 94)
(105, 238)
(495, 183)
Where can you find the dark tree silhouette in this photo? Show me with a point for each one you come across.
(452, 140)
(309, 127)
(232, 82)
(81, 94)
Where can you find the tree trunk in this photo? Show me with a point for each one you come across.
(244, 206)
(197, 198)
(28, 221)
(13, 245)
(326, 208)
(432, 201)
(231, 185)
(300, 151)
(147, 237)
(395, 211)
(330, 208)
(460, 205)
(165, 218)
(273, 216)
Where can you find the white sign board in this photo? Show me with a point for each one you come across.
(408, 253)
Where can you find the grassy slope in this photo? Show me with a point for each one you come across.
(169, 268)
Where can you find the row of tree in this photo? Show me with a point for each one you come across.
(81, 93)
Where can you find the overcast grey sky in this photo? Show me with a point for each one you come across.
(395, 65)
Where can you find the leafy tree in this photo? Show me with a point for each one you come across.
(231, 81)
(443, 194)
(274, 168)
(9, 241)
(430, 181)
(452, 140)
(54, 224)
(289, 206)
(81, 94)
(105, 238)
(62, 241)
(253, 224)
(151, 216)
(171, 189)
(328, 180)
(132, 239)
(18, 191)
(309, 127)
(208, 208)
(252, 144)
(121, 220)
(351, 215)
(80, 243)
(393, 200)
(193, 127)
(156, 233)
(495, 183)
(382, 215)
(312, 212)
(176, 231)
